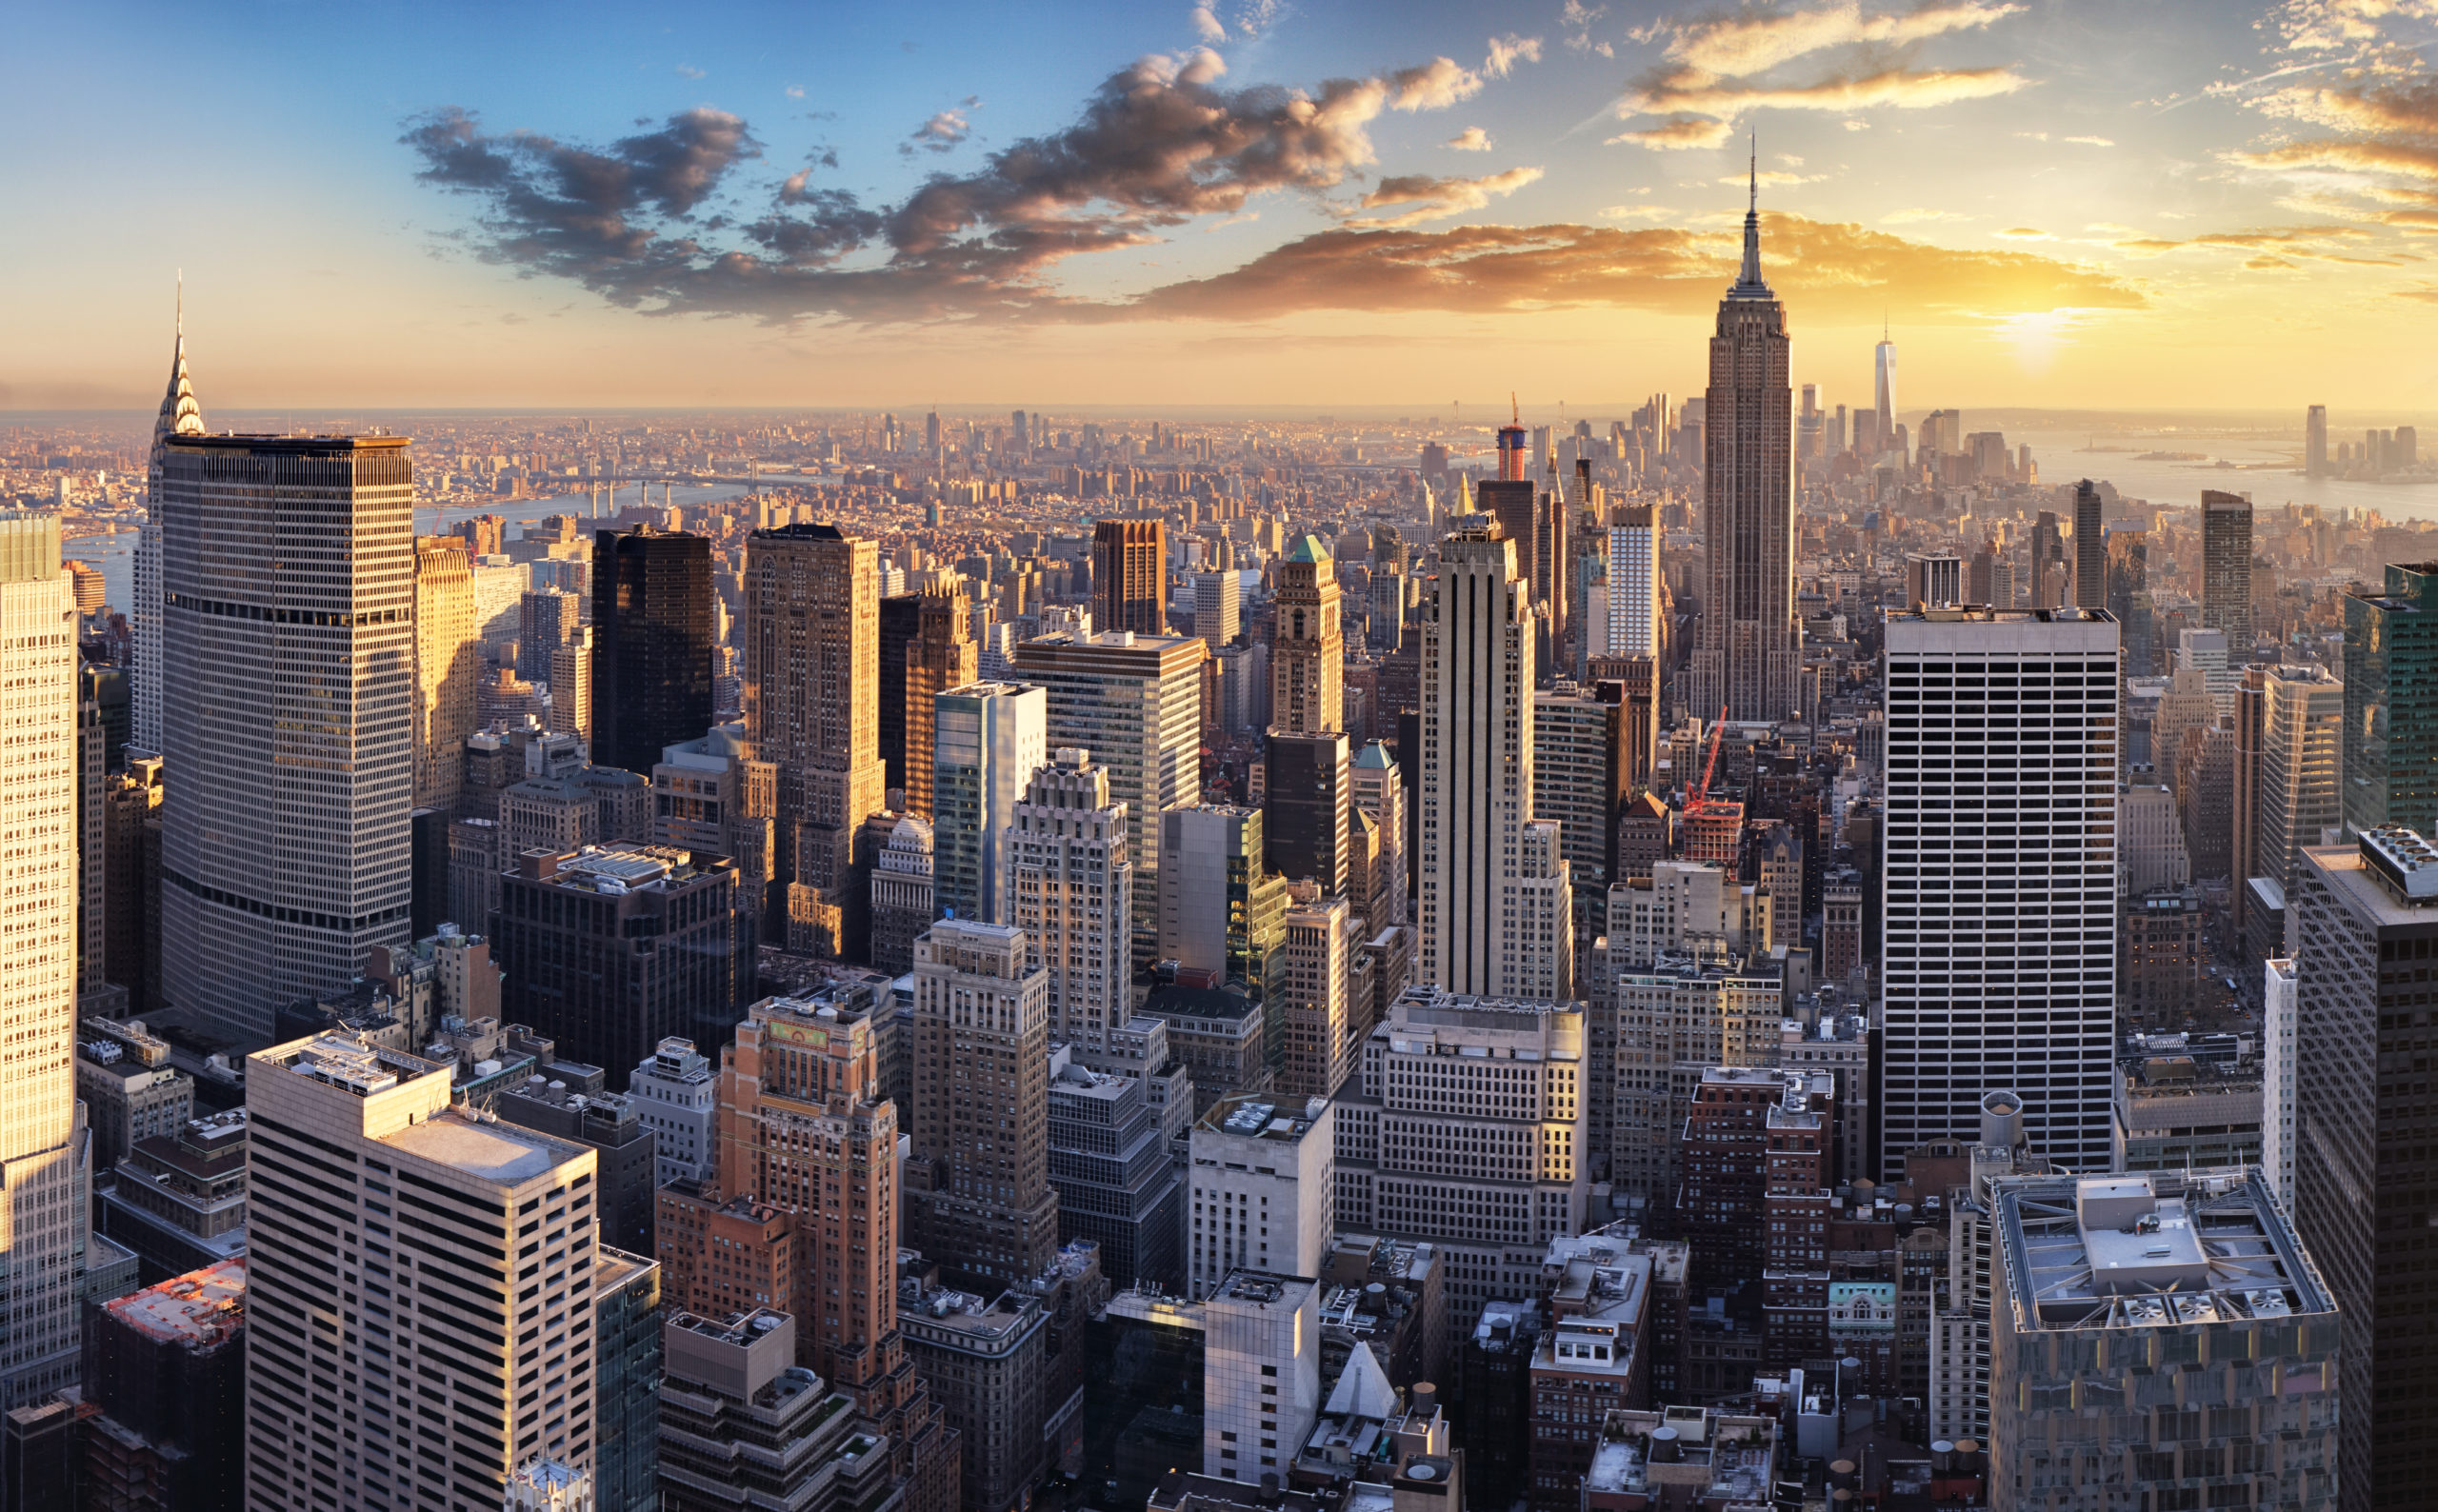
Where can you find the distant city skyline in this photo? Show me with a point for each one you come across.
(2046, 208)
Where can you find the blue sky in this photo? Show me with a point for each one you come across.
(2051, 201)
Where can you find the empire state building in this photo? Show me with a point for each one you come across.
(1750, 644)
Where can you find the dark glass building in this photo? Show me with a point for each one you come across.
(626, 1383)
(653, 632)
(2391, 702)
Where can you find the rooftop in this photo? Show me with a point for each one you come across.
(1250, 1115)
(200, 1310)
(355, 1065)
(502, 1153)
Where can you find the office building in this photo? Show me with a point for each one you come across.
(712, 794)
(132, 881)
(1466, 1127)
(130, 1089)
(926, 647)
(990, 1359)
(1581, 773)
(2110, 1289)
(610, 950)
(2361, 919)
(1748, 647)
(1998, 948)
(2391, 702)
(989, 740)
(1380, 804)
(2226, 568)
(2050, 588)
(1129, 576)
(545, 620)
(1324, 1026)
(2090, 549)
(1135, 702)
(675, 1093)
(2280, 1040)
(1261, 1187)
(1261, 1375)
(743, 1426)
(653, 633)
(1071, 891)
(1595, 1353)
(1476, 762)
(1307, 690)
(1635, 625)
(566, 1099)
(179, 1201)
(626, 1383)
(449, 662)
(283, 863)
(181, 414)
(1216, 609)
(812, 709)
(570, 678)
(1308, 807)
(1108, 1161)
(902, 898)
(1222, 912)
(2128, 599)
(165, 1383)
(342, 1131)
(2315, 442)
(978, 1197)
(2288, 751)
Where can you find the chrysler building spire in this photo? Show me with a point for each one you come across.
(181, 412)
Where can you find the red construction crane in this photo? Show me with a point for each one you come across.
(1702, 792)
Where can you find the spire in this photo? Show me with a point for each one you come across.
(1748, 279)
(181, 412)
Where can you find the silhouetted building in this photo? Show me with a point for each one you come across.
(653, 638)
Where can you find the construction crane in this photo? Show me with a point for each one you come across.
(1701, 794)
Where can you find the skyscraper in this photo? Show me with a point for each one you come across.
(1998, 889)
(2090, 549)
(2289, 735)
(1748, 647)
(1882, 387)
(2226, 568)
(2050, 590)
(1130, 575)
(1071, 891)
(448, 659)
(1476, 760)
(1310, 800)
(181, 415)
(1308, 670)
(2363, 919)
(989, 738)
(2315, 442)
(43, 1146)
(1215, 608)
(2391, 702)
(1322, 1032)
(652, 639)
(813, 709)
(2128, 599)
(1633, 583)
(926, 647)
(287, 717)
(977, 1187)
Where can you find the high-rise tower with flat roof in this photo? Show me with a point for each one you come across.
(2226, 568)
(1748, 646)
(1130, 575)
(2391, 702)
(288, 717)
(653, 632)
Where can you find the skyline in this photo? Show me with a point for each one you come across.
(1014, 217)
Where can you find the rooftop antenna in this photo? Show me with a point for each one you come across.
(1753, 167)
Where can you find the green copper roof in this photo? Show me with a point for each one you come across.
(1374, 756)
(1308, 548)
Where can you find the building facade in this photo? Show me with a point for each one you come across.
(654, 628)
(989, 740)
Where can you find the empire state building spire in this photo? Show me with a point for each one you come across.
(1747, 280)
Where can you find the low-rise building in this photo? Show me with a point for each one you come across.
(985, 1363)
(676, 1096)
(1261, 1380)
(1260, 1188)
(130, 1089)
(1696, 1459)
(179, 1199)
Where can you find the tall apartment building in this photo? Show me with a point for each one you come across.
(654, 628)
(1536, 951)
(2128, 599)
(460, 1374)
(1260, 1188)
(2289, 756)
(449, 661)
(926, 647)
(2391, 702)
(1998, 882)
(43, 1150)
(1466, 1127)
(571, 677)
(1476, 762)
(1217, 607)
(812, 707)
(287, 717)
(2226, 568)
(2280, 1040)
(1325, 1026)
(978, 1197)
(2090, 548)
(608, 951)
(1676, 1017)
(989, 740)
(545, 620)
(1071, 890)
(1747, 649)
(2193, 1288)
(1634, 628)
(2364, 920)
(902, 897)
(1135, 702)
(1130, 575)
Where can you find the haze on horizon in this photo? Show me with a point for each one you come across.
(1248, 203)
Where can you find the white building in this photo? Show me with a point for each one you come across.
(1215, 608)
(1261, 1374)
(1262, 1188)
(1476, 761)
(1323, 1029)
(989, 738)
(1998, 885)
(2277, 1049)
(1536, 951)
(677, 1096)
(44, 1149)
(458, 1362)
(1633, 583)
(2205, 651)
(1071, 891)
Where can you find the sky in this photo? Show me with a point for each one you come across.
(1258, 203)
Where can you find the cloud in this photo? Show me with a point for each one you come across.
(687, 71)
(1834, 271)
(1506, 52)
(1902, 88)
(1636, 212)
(794, 92)
(1472, 139)
(1908, 217)
(1205, 26)
(1679, 133)
(1577, 18)
(941, 132)
(1434, 85)
(2330, 243)
(1748, 43)
(1773, 178)
(2088, 141)
(1436, 198)
(2025, 233)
